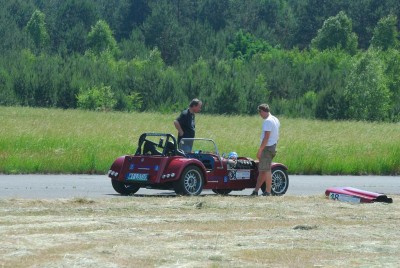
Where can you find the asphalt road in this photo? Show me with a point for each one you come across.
(99, 186)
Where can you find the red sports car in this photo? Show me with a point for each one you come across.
(160, 163)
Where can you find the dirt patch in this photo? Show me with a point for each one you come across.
(203, 231)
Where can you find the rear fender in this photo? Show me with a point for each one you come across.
(176, 167)
(116, 168)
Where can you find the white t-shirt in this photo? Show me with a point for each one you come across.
(272, 124)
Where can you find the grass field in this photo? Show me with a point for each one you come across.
(74, 141)
(202, 231)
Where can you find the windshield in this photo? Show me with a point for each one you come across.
(196, 145)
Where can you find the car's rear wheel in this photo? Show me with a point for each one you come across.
(191, 181)
(123, 188)
(221, 191)
(280, 181)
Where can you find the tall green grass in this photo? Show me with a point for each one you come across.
(74, 141)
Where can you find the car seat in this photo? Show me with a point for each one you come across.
(150, 149)
(170, 149)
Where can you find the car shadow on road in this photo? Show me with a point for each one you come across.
(173, 194)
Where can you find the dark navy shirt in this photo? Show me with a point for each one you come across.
(187, 122)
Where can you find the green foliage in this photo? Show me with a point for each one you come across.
(134, 47)
(72, 22)
(134, 102)
(101, 39)
(392, 73)
(365, 15)
(246, 45)
(308, 104)
(36, 27)
(337, 32)
(231, 54)
(303, 107)
(199, 79)
(129, 103)
(98, 98)
(330, 105)
(385, 33)
(7, 95)
(35, 79)
(367, 93)
(126, 15)
(214, 13)
(270, 20)
(162, 30)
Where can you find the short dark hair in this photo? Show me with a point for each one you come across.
(263, 107)
(194, 102)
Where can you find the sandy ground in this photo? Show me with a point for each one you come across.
(202, 231)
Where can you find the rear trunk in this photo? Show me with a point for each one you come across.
(140, 169)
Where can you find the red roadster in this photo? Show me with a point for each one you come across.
(159, 163)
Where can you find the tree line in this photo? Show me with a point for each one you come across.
(308, 58)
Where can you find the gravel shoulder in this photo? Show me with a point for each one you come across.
(202, 231)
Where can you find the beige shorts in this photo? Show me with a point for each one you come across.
(267, 155)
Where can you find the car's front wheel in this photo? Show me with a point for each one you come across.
(191, 181)
(123, 188)
(280, 181)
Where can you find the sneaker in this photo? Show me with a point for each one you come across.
(266, 194)
(254, 193)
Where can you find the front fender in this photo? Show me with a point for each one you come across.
(275, 165)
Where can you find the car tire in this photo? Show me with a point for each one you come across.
(124, 189)
(191, 181)
(280, 181)
(221, 191)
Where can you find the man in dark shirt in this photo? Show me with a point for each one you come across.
(185, 124)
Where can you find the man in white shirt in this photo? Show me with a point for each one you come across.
(267, 151)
